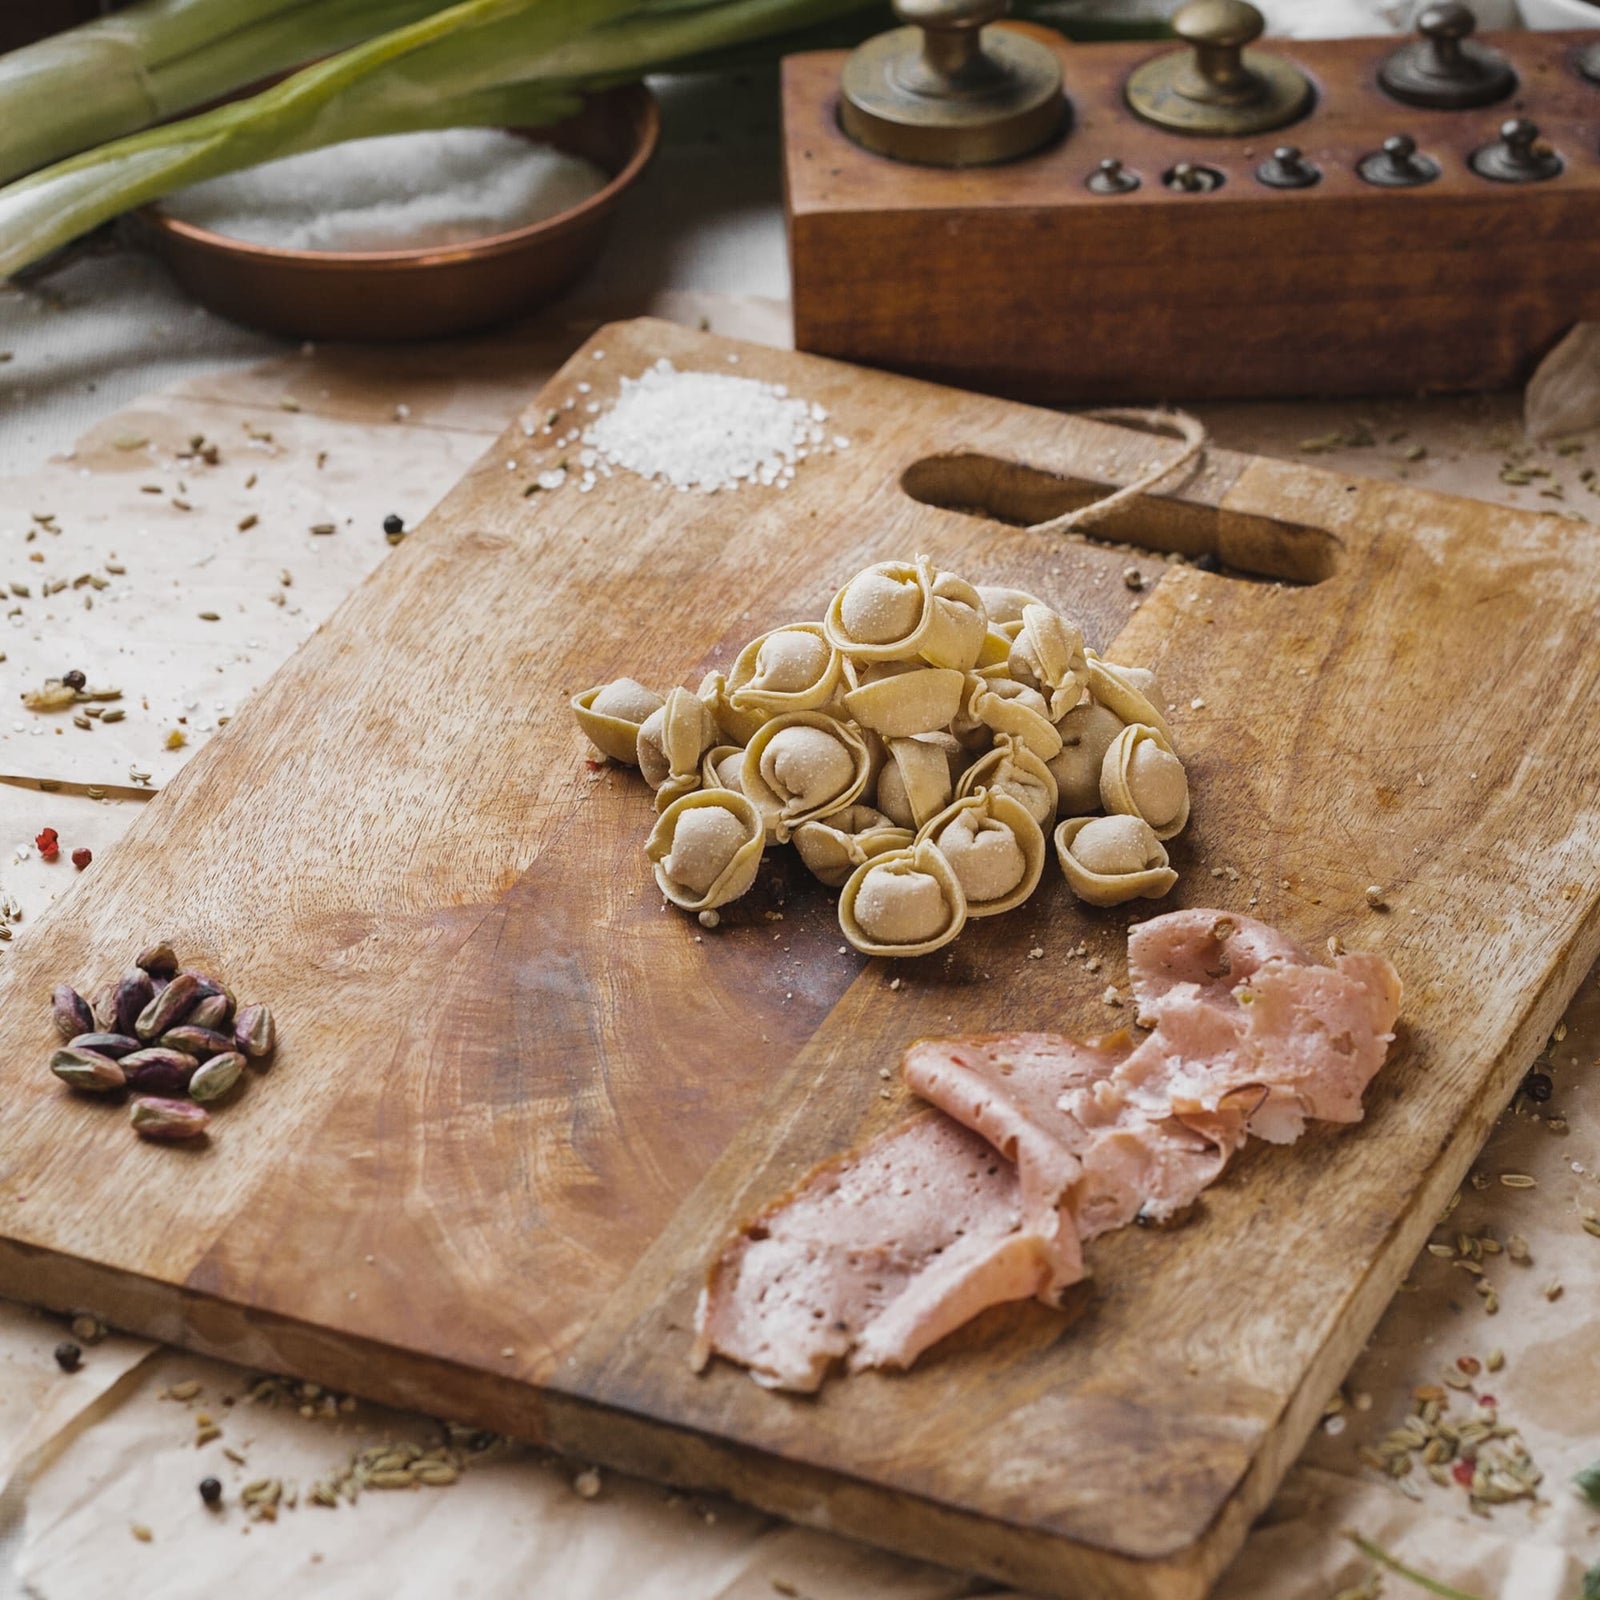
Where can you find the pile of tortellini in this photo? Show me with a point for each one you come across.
(914, 745)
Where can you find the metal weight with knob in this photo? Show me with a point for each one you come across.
(947, 90)
(1398, 165)
(1287, 168)
(1218, 85)
(1518, 156)
(1441, 70)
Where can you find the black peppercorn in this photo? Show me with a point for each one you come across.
(211, 1491)
(393, 525)
(1538, 1086)
(69, 1357)
(1206, 562)
(74, 679)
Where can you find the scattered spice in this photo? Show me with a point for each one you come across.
(69, 1356)
(587, 1484)
(211, 1491)
(1518, 1180)
(1588, 1484)
(1538, 1087)
(48, 843)
(248, 521)
(140, 1532)
(81, 857)
(1375, 897)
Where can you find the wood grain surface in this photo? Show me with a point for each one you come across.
(517, 1102)
(1018, 280)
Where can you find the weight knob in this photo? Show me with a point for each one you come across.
(1443, 71)
(1286, 168)
(1189, 177)
(947, 90)
(1218, 85)
(1398, 165)
(1111, 177)
(1517, 156)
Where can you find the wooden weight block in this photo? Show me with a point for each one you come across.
(1019, 280)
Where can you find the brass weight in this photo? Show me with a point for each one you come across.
(949, 91)
(1218, 86)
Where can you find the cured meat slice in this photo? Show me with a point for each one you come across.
(880, 1253)
(1089, 1159)
(1243, 1019)
(1007, 1087)
(1041, 1142)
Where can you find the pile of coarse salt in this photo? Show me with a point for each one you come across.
(400, 191)
(705, 431)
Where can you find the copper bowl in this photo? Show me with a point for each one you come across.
(433, 291)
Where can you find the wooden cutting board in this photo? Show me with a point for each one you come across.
(517, 1103)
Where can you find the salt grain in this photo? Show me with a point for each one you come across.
(703, 430)
(397, 192)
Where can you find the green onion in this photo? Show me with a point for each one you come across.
(160, 58)
(484, 62)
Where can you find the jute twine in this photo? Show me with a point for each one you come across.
(1194, 441)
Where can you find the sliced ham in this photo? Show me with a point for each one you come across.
(881, 1253)
(1040, 1143)
(1242, 1017)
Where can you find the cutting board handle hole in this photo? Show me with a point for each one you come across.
(1246, 546)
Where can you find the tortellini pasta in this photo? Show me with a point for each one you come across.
(917, 745)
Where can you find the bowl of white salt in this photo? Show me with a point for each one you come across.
(410, 236)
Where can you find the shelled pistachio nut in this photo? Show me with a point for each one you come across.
(159, 960)
(159, 1071)
(70, 1011)
(135, 991)
(216, 1076)
(211, 1011)
(87, 1069)
(201, 1043)
(254, 1032)
(115, 1045)
(159, 1117)
(168, 1008)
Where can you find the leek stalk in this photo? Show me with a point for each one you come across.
(489, 62)
(159, 58)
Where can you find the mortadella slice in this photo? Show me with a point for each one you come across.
(1242, 1015)
(1040, 1143)
(880, 1253)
